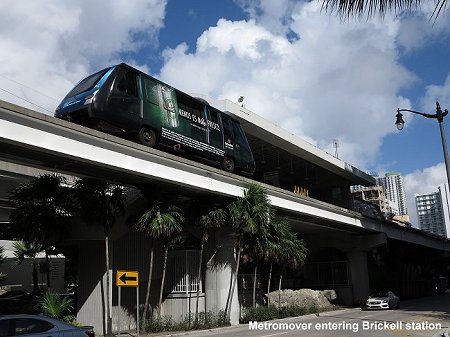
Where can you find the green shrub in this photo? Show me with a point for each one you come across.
(272, 312)
(71, 319)
(207, 320)
(54, 305)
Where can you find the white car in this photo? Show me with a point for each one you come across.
(383, 300)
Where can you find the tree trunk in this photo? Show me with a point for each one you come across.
(199, 281)
(108, 311)
(166, 249)
(279, 290)
(254, 285)
(35, 277)
(268, 282)
(149, 285)
(47, 263)
(233, 285)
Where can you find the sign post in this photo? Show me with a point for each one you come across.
(126, 278)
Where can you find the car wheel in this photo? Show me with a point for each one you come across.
(147, 137)
(228, 164)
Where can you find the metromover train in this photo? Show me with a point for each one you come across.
(122, 100)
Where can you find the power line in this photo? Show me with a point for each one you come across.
(24, 99)
(41, 93)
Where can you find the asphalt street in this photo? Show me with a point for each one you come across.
(428, 316)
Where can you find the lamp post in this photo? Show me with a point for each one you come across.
(439, 115)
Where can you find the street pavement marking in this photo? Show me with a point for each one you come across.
(409, 333)
(276, 334)
(365, 316)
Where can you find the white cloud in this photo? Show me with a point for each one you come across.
(337, 80)
(421, 29)
(269, 13)
(436, 93)
(51, 45)
(309, 72)
(422, 182)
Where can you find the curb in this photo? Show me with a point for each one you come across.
(189, 332)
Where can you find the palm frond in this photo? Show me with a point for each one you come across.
(22, 250)
(41, 207)
(359, 8)
(99, 201)
(54, 305)
(160, 221)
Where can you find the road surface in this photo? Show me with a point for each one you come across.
(424, 317)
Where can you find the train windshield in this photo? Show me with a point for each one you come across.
(87, 84)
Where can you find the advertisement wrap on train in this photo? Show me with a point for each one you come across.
(124, 101)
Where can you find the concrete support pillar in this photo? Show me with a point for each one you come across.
(92, 279)
(219, 273)
(359, 275)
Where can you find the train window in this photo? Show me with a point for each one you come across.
(87, 84)
(151, 91)
(239, 133)
(227, 131)
(193, 108)
(128, 83)
(213, 121)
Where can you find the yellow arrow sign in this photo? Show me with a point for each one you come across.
(126, 278)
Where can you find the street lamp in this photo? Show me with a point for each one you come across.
(439, 115)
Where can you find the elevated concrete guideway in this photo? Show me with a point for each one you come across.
(32, 143)
(42, 141)
(33, 139)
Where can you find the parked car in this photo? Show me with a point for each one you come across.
(15, 302)
(14, 295)
(383, 300)
(39, 325)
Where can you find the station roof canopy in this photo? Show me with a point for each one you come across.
(276, 149)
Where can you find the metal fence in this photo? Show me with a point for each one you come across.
(330, 273)
(182, 272)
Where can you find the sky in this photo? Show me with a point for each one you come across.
(312, 73)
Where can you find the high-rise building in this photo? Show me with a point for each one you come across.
(433, 211)
(375, 195)
(394, 191)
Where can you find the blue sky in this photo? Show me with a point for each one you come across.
(313, 74)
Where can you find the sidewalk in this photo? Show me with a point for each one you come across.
(237, 327)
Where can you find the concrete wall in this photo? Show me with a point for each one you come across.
(131, 252)
(19, 276)
(221, 266)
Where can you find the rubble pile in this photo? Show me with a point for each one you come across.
(322, 299)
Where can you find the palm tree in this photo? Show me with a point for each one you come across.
(2, 259)
(171, 240)
(99, 203)
(285, 248)
(256, 246)
(250, 215)
(347, 8)
(41, 208)
(293, 252)
(159, 222)
(280, 229)
(23, 250)
(212, 218)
